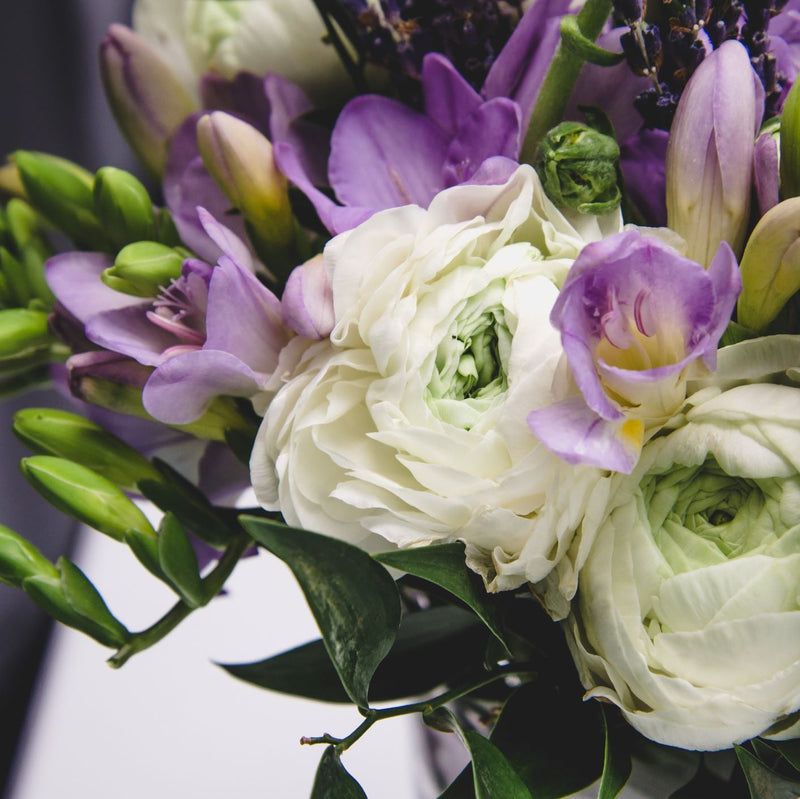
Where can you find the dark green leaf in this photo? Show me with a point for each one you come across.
(354, 599)
(178, 561)
(763, 782)
(703, 785)
(432, 646)
(444, 565)
(177, 495)
(332, 781)
(145, 548)
(790, 751)
(616, 763)
(240, 443)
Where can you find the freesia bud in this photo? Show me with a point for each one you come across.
(240, 160)
(790, 144)
(143, 267)
(10, 181)
(26, 228)
(84, 495)
(766, 173)
(123, 206)
(66, 435)
(770, 266)
(62, 192)
(20, 559)
(710, 153)
(22, 332)
(146, 97)
(578, 168)
(307, 301)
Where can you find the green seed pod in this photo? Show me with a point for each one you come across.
(578, 168)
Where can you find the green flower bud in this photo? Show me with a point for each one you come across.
(790, 144)
(20, 292)
(66, 435)
(10, 181)
(62, 192)
(770, 265)
(143, 267)
(578, 168)
(19, 559)
(28, 241)
(123, 206)
(85, 495)
(23, 332)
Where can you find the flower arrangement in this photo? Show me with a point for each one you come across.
(483, 317)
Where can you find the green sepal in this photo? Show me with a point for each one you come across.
(332, 780)
(145, 549)
(20, 559)
(492, 774)
(49, 431)
(178, 561)
(763, 782)
(444, 565)
(86, 601)
(432, 647)
(616, 762)
(352, 597)
(84, 495)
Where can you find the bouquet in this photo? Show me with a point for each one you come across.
(482, 316)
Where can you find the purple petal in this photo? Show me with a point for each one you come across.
(577, 434)
(494, 171)
(766, 172)
(307, 300)
(449, 99)
(642, 159)
(243, 95)
(336, 218)
(228, 242)
(492, 129)
(180, 390)
(74, 277)
(244, 318)
(727, 282)
(384, 154)
(129, 332)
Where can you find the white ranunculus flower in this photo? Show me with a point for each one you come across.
(688, 612)
(227, 36)
(410, 422)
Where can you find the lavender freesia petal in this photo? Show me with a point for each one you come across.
(493, 129)
(384, 154)
(74, 277)
(577, 434)
(129, 332)
(449, 98)
(766, 172)
(307, 300)
(726, 280)
(642, 161)
(228, 242)
(243, 95)
(244, 317)
(180, 389)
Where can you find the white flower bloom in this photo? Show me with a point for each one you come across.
(410, 422)
(688, 611)
(227, 36)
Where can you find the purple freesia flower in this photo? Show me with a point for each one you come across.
(635, 319)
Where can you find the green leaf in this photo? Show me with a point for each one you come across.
(616, 763)
(492, 775)
(333, 781)
(354, 599)
(444, 565)
(790, 751)
(763, 782)
(704, 784)
(431, 647)
(178, 561)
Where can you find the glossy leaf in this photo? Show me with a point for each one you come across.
(178, 561)
(354, 599)
(444, 565)
(332, 780)
(432, 646)
(764, 783)
(616, 763)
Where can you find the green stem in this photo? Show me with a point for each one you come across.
(212, 585)
(560, 79)
(426, 706)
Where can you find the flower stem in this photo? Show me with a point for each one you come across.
(427, 706)
(561, 77)
(212, 585)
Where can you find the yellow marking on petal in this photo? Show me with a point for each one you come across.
(632, 431)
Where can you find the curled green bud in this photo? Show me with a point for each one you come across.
(143, 267)
(62, 192)
(578, 168)
(19, 559)
(770, 265)
(85, 495)
(123, 206)
(23, 333)
(66, 435)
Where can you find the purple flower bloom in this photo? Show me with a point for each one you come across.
(635, 317)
